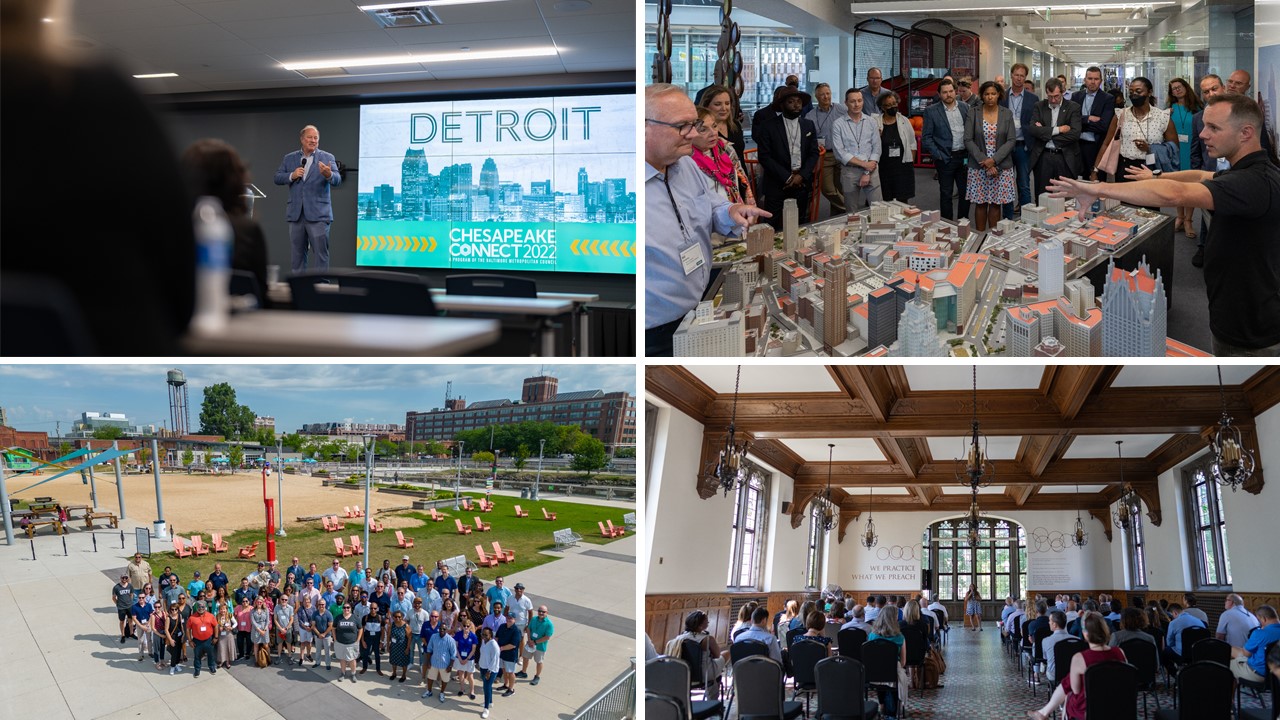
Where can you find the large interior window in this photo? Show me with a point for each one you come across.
(996, 564)
(1209, 557)
(749, 518)
(813, 575)
(1137, 548)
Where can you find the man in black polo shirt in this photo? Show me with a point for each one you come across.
(1242, 253)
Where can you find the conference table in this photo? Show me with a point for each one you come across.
(294, 333)
(539, 311)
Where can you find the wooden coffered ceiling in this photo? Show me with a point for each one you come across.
(1051, 437)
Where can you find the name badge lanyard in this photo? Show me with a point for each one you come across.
(679, 218)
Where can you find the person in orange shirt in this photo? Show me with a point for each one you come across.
(202, 628)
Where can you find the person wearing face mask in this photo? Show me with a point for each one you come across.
(897, 150)
(1139, 129)
(788, 153)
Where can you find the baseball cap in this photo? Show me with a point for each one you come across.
(519, 586)
(261, 564)
(196, 573)
(406, 557)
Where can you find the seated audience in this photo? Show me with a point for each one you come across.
(1133, 626)
(1071, 691)
(744, 621)
(911, 618)
(713, 660)
(815, 628)
(1236, 621)
(1189, 603)
(886, 627)
(1058, 626)
(858, 620)
(1173, 636)
(1249, 662)
(758, 631)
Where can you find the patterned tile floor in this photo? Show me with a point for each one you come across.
(983, 683)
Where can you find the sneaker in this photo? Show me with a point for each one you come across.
(1198, 259)
(197, 674)
(121, 639)
(214, 671)
(509, 692)
(536, 678)
(473, 697)
(441, 696)
(426, 694)
(460, 694)
(315, 664)
(485, 714)
(173, 670)
(522, 674)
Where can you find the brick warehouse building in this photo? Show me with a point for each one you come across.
(608, 417)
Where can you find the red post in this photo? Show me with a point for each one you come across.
(271, 540)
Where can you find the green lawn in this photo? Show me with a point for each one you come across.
(432, 540)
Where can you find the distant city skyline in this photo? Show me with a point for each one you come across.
(36, 397)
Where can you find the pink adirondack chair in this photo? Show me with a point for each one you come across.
(462, 529)
(358, 512)
(402, 541)
(617, 531)
(356, 547)
(346, 512)
(435, 516)
(180, 549)
(198, 545)
(521, 513)
(481, 525)
(466, 504)
(485, 560)
(503, 555)
(336, 524)
(339, 549)
(603, 532)
(547, 515)
(219, 545)
(249, 551)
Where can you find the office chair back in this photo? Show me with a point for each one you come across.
(850, 641)
(490, 285)
(368, 292)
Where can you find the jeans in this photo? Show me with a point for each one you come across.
(888, 697)
(157, 648)
(953, 173)
(488, 677)
(203, 648)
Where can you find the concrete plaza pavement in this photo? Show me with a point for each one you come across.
(63, 658)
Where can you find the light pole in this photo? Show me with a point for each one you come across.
(542, 443)
(161, 532)
(370, 441)
(4, 499)
(115, 445)
(280, 489)
(457, 482)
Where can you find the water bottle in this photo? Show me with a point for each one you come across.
(214, 238)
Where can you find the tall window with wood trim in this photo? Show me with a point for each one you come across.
(1210, 558)
(817, 537)
(750, 515)
(1135, 540)
(997, 564)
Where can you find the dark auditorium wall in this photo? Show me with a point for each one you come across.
(263, 127)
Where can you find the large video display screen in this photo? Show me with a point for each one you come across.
(506, 184)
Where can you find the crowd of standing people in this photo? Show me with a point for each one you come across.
(445, 628)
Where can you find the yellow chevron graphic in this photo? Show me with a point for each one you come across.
(613, 248)
(595, 247)
(432, 247)
(573, 246)
(626, 249)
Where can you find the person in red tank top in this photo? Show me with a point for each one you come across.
(1098, 634)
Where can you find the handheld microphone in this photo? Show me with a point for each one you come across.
(302, 165)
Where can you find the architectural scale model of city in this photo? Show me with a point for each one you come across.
(898, 281)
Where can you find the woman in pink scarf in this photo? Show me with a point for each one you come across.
(718, 161)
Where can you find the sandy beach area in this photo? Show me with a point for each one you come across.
(206, 503)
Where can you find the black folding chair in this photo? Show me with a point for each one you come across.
(1256, 687)
(1111, 691)
(1143, 656)
(740, 651)
(805, 655)
(917, 647)
(691, 651)
(758, 685)
(670, 676)
(1203, 693)
(1036, 660)
(1063, 651)
(661, 707)
(849, 642)
(842, 690)
(1213, 650)
(880, 658)
(1254, 713)
(792, 634)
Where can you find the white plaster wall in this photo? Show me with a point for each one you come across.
(690, 537)
(789, 547)
(1252, 519)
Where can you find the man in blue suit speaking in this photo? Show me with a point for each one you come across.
(309, 173)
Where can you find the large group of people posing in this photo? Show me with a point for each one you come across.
(446, 628)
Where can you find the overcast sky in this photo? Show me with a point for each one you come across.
(35, 397)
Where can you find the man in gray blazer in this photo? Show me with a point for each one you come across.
(1055, 137)
(309, 173)
(943, 139)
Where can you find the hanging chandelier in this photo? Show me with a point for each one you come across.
(869, 537)
(825, 505)
(1079, 537)
(1130, 505)
(973, 519)
(732, 470)
(1232, 465)
(976, 470)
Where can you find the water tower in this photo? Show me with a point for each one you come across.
(179, 409)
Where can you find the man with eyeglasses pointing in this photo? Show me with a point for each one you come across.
(680, 214)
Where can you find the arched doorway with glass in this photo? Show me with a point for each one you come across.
(996, 564)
